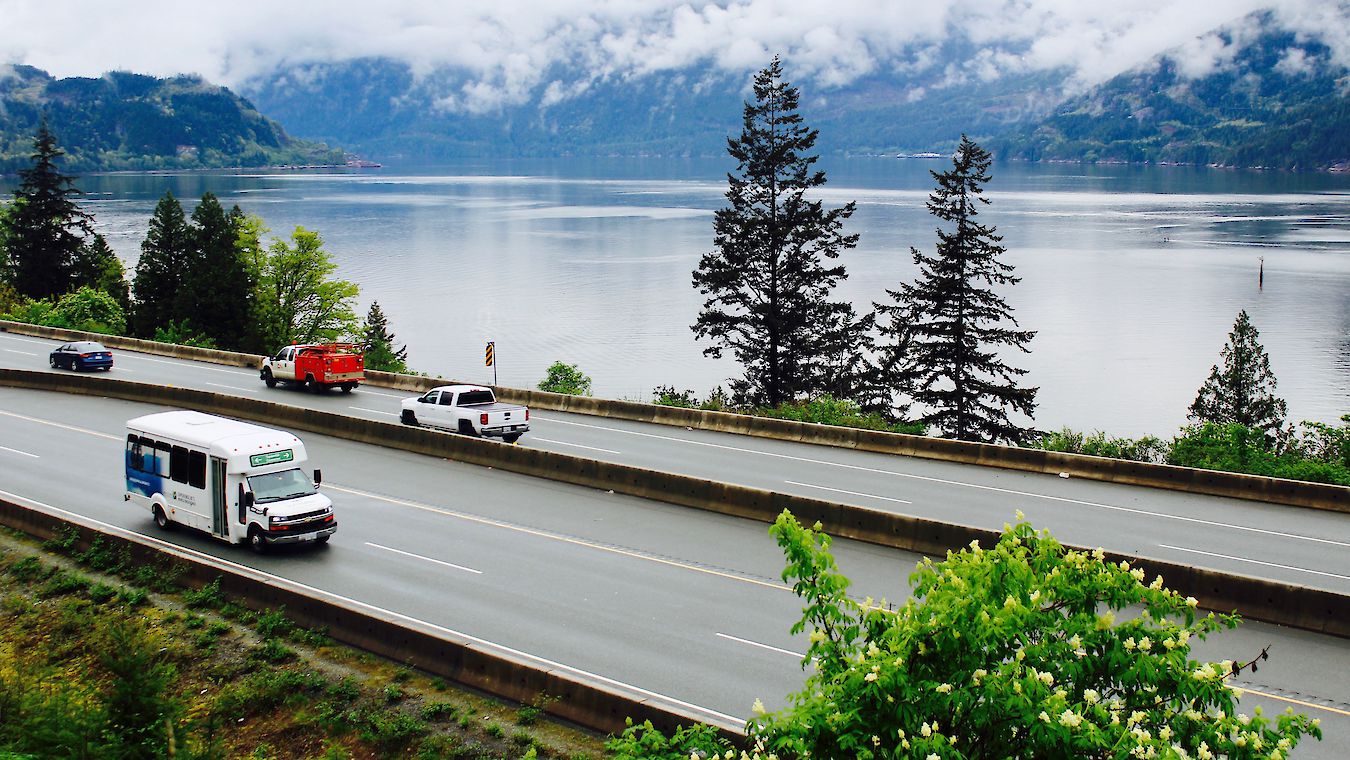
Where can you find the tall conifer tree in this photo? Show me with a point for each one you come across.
(951, 322)
(45, 227)
(379, 342)
(767, 283)
(1243, 390)
(160, 271)
(216, 296)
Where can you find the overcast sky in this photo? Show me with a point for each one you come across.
(505, 46)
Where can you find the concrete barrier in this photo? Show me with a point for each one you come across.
(1208, 482)
(1258, 599)
(586, 701)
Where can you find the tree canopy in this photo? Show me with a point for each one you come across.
(1024, 649)
(380, 353)
(951, 323)
(1242, 391)
(767, 282)
(297, 302)
(45, 230)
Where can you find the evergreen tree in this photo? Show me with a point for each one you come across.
(45, 229)
(953, 324)
(160, 270)
(217, 290)
(99, 268)
(1243, 390)
(380, 353)
(767, 284)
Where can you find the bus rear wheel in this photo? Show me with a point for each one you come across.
(162, 519)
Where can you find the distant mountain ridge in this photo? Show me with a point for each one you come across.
(379, 107)
(1281, 102)
(131, 121)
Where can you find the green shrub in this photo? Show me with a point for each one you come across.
(273, 651)
(206, 597)
(273, 624)
(1235, 448)
(90, 310)
(666, 395)
(828, 410)
(566, 378)
(1098, 444)
(183, 334)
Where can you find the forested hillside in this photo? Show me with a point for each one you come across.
(130, 121)
(381, 108)
(1281, 102)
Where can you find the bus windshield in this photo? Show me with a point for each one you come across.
(275, 486)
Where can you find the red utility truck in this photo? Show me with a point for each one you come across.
(316, 366)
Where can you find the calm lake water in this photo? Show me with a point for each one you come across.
(1132, 276)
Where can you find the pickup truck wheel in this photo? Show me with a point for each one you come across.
(347, 387)
(511, 437)
(408, 418)
(267, 378)
(466, 428)
(256, 541)
(323, 539)
(310, 385)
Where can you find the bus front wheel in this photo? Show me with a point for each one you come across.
(256, 541)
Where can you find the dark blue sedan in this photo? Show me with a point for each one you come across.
(82, 354)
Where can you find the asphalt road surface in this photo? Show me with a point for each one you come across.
(1290, 544)
(681, 603)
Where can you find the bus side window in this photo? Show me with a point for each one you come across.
(162, 459)
(197, 469)
(134, 453)
(178, 464)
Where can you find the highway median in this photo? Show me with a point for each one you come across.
(1143, 474)
(1257, 599)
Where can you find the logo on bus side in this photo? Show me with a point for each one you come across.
(271, 457)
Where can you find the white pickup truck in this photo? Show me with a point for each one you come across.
(467, 409)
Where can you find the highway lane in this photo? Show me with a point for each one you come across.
(1251, 538)
(683, 603)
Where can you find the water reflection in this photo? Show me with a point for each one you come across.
(1131, 275)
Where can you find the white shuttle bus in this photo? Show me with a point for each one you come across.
(237, 481)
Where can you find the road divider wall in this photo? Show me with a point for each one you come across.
(1258, 599)
(571, 695)
(1189, 480)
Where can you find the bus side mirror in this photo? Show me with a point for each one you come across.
(318, 477)
(248, 500)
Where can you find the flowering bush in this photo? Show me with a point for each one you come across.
(1023, 649)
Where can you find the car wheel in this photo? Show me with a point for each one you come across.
(52, 360)
(408, 418)
(161, 519)
(323, 539)
(256, 541)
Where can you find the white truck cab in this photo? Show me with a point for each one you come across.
(235, 480)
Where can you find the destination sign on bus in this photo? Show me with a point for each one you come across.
(271, 457)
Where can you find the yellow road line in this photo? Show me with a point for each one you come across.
(1299, 702)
